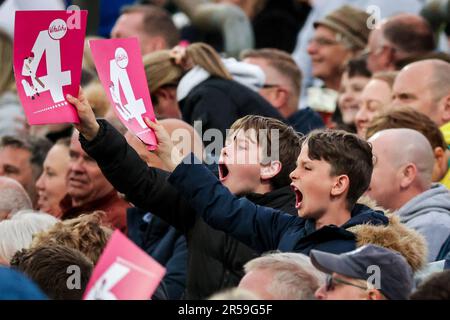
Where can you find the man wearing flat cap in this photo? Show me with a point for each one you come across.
(338, 37)
(367, 273)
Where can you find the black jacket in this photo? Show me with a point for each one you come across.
(215, 259)
(217, 103)
(165, 244)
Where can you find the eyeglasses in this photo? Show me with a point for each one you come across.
(268, 86)
(324, 42)
(330, 283)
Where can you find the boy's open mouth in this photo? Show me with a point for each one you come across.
(223, 171)
(298, 196)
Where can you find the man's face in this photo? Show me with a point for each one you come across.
(15, 164)
(51, 185)
(327, 54)
(239, 162)
(258, 282)
(375, 57)
(312, 183)
(375, 97)
(384, 185)
(85, 181)
(341, 291)
(412, 88)
(274, 81)
(131, 25)
(349, 96)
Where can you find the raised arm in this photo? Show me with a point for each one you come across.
(146, 187)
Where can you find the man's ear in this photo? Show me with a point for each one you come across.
(154, 43)
(341, 185)
(281, 96)
(374, 294)
(270, 170)
(408, 175)
(440, 164)
(445, 107)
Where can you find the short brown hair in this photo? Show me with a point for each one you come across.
(156, 21)
(84, 233)
(386, 76)
(347, 154)
(406, 117)
(289, 143)
(282, 62)
(49, 266)
(37, 146)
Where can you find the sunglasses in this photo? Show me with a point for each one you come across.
(331, 283)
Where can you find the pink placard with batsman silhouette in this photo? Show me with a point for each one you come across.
(124, 272)
(48, 53)
(121, 71)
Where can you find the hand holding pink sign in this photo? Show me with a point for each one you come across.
(123, 272)
(117, 61)
(47, 63)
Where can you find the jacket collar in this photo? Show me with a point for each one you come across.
(360, 214)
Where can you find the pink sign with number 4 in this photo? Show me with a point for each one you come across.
(48, 53)
(121, 71)
(124, 272)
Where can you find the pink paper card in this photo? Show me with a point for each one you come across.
(124, 272)
(48, 53)
(121, 71)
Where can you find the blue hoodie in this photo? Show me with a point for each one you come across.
(16, 286)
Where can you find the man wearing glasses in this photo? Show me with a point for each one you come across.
(367, 273)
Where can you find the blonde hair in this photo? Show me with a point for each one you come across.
(88, 60)
(17, 233)
(84, 233)
(97, 97)
(6, 63)
(161, 68)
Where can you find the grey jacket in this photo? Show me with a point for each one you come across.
(429, 214)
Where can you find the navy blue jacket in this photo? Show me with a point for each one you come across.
(215, 259)
(263, 228)
(165, 244)
(306, 120)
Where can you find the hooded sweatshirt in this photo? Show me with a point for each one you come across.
(429, 214)
(246, 74)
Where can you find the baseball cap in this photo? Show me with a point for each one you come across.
(396, 278)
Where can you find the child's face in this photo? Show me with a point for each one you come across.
(312, 183)
(239, 162)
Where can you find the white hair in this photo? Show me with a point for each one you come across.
(17, 233)
(294, 276)
(13, 196)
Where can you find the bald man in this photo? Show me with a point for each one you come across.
(425, 86)
(401, 182)
(13, 198)
(396, 39)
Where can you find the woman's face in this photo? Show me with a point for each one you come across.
(349, 97)
(51, 185)
(376, 95)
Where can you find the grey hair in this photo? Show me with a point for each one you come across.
(294, 276)
(17, 233)
(13, 196)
